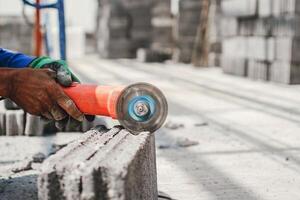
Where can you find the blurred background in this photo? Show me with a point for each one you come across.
(230, 70)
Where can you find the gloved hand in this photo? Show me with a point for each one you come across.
(37, 93)
(64, 75)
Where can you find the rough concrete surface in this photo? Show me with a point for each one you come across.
(102, 164)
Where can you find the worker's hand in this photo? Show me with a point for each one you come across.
(37, 92)
(64, 75)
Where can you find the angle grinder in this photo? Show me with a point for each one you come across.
(138, 107)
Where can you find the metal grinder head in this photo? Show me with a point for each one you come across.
(141, 107)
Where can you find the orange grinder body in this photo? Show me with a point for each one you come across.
(95, 99)
(138, 107)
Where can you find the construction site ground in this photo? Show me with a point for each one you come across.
(225, 137)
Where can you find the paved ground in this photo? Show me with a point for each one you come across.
(226, 137)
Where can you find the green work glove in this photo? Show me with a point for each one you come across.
(65, 76)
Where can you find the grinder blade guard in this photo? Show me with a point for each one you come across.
(141, 107)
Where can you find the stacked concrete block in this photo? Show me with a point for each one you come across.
(34, 126)
(2, 119)
(237, 8)
(162, 42)
(162, 23)
(139, 12)
(215, 38)
(14, 122)
(188, 22)
(151, 55)
(271, 32)
(101, 164)
(114, 31)
(15, 34)
(124, 26)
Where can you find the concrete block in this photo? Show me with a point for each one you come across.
(229, 27)
(276, 7)
(234, 66)
(281, 7)
(14, 122)
(34, 125)
(258, 70)
(271, 49)
(131, 4)
(101, 164)
(280, 72)
(264, 8)
(161, 8)
(238, 8)
(235, 47)
(257, 48)
(191, 18)
(255, 27)
(2, 123)
(187, 30)
(2, 118)
(287, 49)
(190, 5)
(149, 55)
(287, 25)
(284, 72)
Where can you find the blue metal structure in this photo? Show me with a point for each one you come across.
(59, 5)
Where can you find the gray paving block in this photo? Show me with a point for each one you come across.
(258, 70)
(265, 8)
(161, 8)
(2, 118)
(287, 49)
(14, 122)
(102, 164)
(284, 72)
(234, 66)
(257, 48)
(2, 123)
(235, 47)
(190, 5)
(238, 8)
(287, 25)
(34, 125)
(229, 27)
(191, 18)
(256, 27)
(149, 55)
(281, 7)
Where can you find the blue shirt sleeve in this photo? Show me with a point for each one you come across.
(14, 59)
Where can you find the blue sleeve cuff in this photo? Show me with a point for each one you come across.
(14, 59)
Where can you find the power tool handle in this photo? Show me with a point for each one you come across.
(94, 99)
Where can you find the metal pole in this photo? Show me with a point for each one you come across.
(62, 29)
(38, 33)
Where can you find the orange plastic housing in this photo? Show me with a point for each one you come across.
(94, 99)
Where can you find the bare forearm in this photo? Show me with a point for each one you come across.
(5, 81)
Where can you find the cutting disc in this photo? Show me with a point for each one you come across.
(142, 107)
